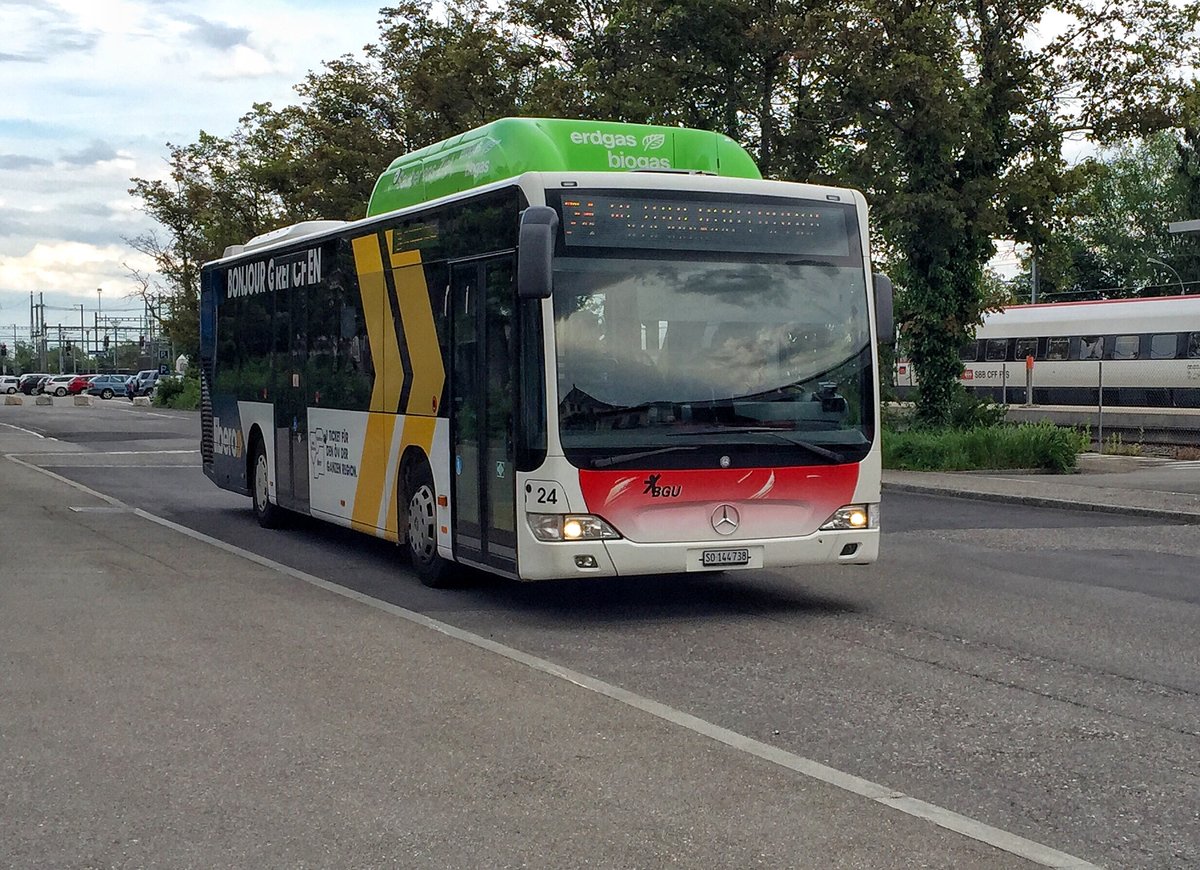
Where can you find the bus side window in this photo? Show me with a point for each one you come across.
(997, 349)
(1025, 347)
(969, 352)
(1193, 348)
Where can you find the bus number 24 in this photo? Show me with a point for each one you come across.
(541, 492)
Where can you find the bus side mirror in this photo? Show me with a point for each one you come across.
(535, 254)
(885, 330)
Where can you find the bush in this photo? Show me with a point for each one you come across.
(182, 394)
(968, 412)
(1029, 445)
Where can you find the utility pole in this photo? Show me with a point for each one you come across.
(1033, 274)
(42, 331)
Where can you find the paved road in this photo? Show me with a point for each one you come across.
(1031, 668)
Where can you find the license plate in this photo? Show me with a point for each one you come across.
(725, 557)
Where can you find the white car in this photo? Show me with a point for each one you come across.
(8, 383)
(57, 385)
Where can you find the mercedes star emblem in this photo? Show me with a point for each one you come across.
(725, 519)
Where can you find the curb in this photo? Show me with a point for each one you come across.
(1179, 517)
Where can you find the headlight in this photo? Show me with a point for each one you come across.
(570, 527)
(853, 516)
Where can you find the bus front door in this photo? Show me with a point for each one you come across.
(482, 401)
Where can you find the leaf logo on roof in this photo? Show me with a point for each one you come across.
(653, 140)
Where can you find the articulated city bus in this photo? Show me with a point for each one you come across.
(561, 349)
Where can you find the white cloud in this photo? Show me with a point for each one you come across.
(242, 62)
(93, 91)
(71, 268)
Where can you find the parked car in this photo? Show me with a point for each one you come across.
(79, 384)
(29, 382)
(107, 386)
(8, 383)
(57, 385)
(142, 384)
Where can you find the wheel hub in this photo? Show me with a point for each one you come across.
(421, 517)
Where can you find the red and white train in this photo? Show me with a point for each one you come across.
(1143, 353)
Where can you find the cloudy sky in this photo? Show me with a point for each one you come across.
(93, 89)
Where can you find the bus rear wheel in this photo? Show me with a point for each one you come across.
(267, 514)
(421, 499)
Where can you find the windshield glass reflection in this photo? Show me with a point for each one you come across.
(668, 355)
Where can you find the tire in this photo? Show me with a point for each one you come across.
(269, 516)
(419, 495)
(106, 393)
(60, 392)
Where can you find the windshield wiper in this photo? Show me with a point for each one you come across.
(633, 457)
(815, 449)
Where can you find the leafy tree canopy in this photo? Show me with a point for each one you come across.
(951, 116)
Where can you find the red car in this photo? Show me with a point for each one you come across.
(79, 384)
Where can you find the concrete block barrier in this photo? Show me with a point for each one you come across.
(142, 401)
(14, 399)
(43, 399)
(84, 400)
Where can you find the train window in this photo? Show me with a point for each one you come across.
(1058, 348)
(997, 349)
(1163, 346)
(1091, 347)
(1194, 345)
(1126, 347)
(1025, 347)
(969, 352)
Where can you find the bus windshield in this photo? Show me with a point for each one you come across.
(737, 360)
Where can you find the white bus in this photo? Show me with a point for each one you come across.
(531, 360)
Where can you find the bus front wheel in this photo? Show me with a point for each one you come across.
(419, 494)
(267, 514)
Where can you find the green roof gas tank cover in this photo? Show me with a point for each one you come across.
(511, 146)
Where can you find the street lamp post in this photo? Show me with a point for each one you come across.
(1155, 262)
(99, 312)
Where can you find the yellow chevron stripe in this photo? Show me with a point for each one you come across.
(416, 313)
(381, 329)
(418, 432)
(372, 472)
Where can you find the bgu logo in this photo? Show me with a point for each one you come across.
(655, 491)
(226, 441)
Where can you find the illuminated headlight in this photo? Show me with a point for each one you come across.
(570, 527)
(853, 516)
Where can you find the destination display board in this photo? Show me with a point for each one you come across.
(635, 220)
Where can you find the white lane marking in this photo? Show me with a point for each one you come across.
(1005, 841)
(132, 410)
(85, 465)
(138, 452)
(27, 431)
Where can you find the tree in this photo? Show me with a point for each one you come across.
(1120, 211)
(961, 121)
(951, 116)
